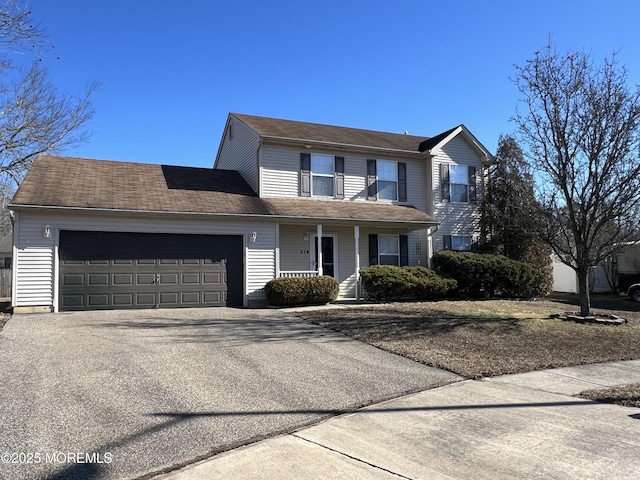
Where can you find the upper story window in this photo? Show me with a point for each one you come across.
(386, 180)
(321, 175)
(322, 171)
(458, 183)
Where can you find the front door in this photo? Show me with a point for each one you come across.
(328, 255)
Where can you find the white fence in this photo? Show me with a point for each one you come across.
(299, 273)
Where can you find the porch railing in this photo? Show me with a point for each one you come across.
(299, 273)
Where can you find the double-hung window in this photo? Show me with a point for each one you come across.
(458, 183)
(385, 249)
(321, 175)
(388, 250)
(322, 172)
(387, 180)
(459, 177)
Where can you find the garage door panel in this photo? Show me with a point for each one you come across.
(74, 279)
(101, 270)
(98, 300)
(213, 297)
(123, 278)
(190, 278)
(212, 278)
(73, 301)
(145, 278)
(191, 298)
(168, 279)
(98, 279)
(122, 261)
(122, 300)
(169, 298)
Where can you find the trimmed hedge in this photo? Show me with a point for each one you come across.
(387, 282)
(429, 285)
(292, 291)
(489, 275)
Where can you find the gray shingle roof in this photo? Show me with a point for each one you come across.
(67, 182)
(315, 132)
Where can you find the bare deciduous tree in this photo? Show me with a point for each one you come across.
(35, 116)
(581, 126)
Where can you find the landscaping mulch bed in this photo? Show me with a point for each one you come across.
(478, 339)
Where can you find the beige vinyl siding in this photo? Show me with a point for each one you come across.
(36, 264)
(295, 252)
(294, 249)
(280, 171)
(418, 248)
(36, 259)
(240, 152)
(456, 218)
(281, 174)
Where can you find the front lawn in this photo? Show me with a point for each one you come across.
(478, 339)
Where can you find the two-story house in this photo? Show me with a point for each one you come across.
(284, 198)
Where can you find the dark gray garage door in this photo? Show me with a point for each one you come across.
(112, 270)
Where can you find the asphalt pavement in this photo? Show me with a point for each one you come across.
(526, 426)
(129, 394)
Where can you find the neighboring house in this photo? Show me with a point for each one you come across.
(92, 234)
(615, 275)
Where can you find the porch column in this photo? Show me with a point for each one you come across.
(319, 255)
(356, 236)
(277, 252)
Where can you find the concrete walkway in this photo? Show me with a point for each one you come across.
(510, 427)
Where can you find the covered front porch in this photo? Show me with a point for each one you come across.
(346, 248)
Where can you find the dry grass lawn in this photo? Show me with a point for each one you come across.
(478, 339)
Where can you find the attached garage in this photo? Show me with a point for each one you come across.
(119, 270)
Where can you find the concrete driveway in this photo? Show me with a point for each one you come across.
(129, 393)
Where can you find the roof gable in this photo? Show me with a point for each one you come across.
(435, 144)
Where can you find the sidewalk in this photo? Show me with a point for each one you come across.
(509, 427)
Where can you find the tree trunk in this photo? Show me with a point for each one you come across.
(583, 291)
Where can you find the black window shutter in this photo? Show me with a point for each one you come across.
(339, 172)
(305, 174)
(446, 242)
(372, 187)
(404, 250)
(373, 249)
(472, 185)
(444, 182)
(402, 182)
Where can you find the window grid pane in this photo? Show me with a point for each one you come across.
(387, 171)
(323, 186)
(459, 174)
(389, 260)
(387, 190)
(459, 193)
(388, 244)
(322, 164)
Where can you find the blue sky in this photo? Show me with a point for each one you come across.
(172, 71)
